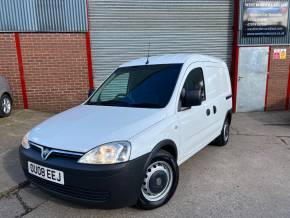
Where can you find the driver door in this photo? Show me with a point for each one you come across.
(194, 121)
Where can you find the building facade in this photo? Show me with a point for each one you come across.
(262, 79)
(53, 51)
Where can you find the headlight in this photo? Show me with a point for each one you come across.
(25, 143)
(110, 153)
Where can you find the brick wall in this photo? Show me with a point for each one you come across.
(278, 81)
(55, 69)
(55, 66)
(9, 66)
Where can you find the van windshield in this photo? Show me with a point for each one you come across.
(148, 86)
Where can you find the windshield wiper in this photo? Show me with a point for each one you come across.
(124, 104)
(109, 103)
(145, 105)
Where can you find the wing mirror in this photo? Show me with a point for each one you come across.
(191, 98)
(90, 92)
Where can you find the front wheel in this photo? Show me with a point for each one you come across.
(160, 181)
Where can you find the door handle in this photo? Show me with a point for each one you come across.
(240, 77)
(207, 112)
(214, 109)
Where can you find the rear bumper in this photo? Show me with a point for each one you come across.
(101, 186)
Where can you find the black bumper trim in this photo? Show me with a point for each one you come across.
(74, 192)
(100, 186)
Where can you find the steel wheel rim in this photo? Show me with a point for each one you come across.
(226, 131)
(6, 105)
(163, 167)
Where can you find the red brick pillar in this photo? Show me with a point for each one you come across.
(278, 80)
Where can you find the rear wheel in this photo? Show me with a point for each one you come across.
(223, 138)
(5, 105)
(160, 181)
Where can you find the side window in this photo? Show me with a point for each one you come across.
(195, 82)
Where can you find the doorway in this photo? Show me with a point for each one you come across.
(252, 78)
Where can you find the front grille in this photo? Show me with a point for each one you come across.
(56, 152)
(70, 191)
(34, 147)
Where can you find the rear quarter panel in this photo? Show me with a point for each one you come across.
(218, 88)
(228, 89)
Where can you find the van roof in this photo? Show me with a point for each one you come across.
(173, 59)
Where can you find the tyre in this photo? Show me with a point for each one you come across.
(5, 105)
(160, 181)
(223, 138)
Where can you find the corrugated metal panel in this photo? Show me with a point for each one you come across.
(120, 30)
(284, 40)
(43, 16)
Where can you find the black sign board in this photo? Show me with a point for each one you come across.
(265, 18)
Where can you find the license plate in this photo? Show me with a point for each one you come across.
(46, 173)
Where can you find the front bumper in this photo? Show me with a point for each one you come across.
(101, 186)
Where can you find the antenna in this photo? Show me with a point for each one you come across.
(148, 54)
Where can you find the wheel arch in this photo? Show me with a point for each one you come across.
(229, 116)
(166, 145)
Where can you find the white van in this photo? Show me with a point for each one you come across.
(122, 147)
